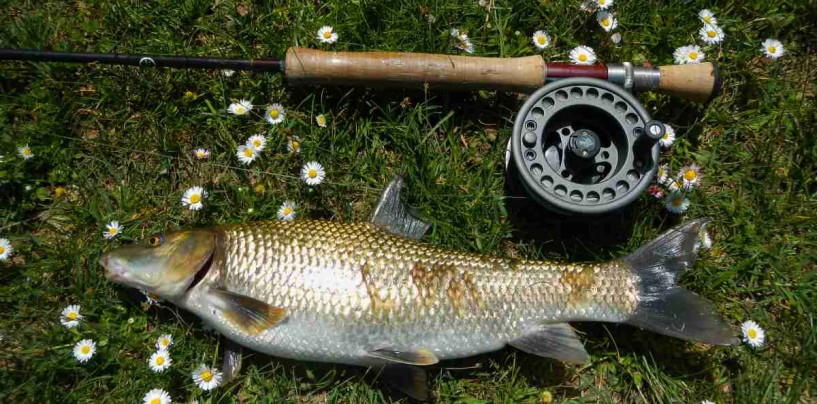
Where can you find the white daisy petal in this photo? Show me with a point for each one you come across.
(242, 107)
(321, 120)
(206, 377)
(164, 342)
(753, 334)
(677, 202)
(773, 48)
(604, 4)
(157, 396)
(25, 152)
(228, 72)
(707, 17)
(112, 229)
(287, 211)
(541, 39)
(194, 198)
(327, 35)
(669, 137)
(662, 174)
(257, 142)
(245, 154)
(312, 173)
(711, 34)
(607, 21)
(160, 361)
(294, 144)
(274, 114)
(690, 176)
(6, 249)
(583, 55)
(70, 316)
(84, 350)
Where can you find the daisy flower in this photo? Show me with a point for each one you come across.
(753, 334)
(193, 198)
(583, 55)
(274, 114)
(607, 20)
(242, 107)
(690, 176)
(5, 249)
(164, 342)
(541, 39)
(604, 4)
(677, 203)
(312, 173)
(287, 211)
(711, 34)
(773, 48)
(672, 185)
(257, 142)
(70, 316)
(327, 35)
(246, 154)
(84, 350)
(704, 240)
(206, 377)
(201, 153)
(159, 361)
(228, 72)
(707, 17)
(321, 120)
(157, 396)
(690, 54)
(669, 137)
(112, 229)
(25, 152)
(661, 175)
(465, 46)
(294, 144)
(616, 38)
(655, 191)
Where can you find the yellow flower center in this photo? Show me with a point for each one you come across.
(665, 137)
(296, 144)
(752, 333)
(583, 57)
(677, 202)
(156, 400)
(195, 198)
(312, 173)
(690, 175)
(605, 22)
(26, 152)
(112, 230)
(160, 360)
(206, 376)
(248, 152)
(327, 34)
(164, 343)
(287, 211)
(2, 250)
(85, 350)
(602, 2)
(772, 49)
(71, 316)
(711, 33)
(59, 191)
(321, 120)
(541, 40)
(693, 55)
(256, 142)
(707, 19)
(240, 110)
(273, 113)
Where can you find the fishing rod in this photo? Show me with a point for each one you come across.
(694, 82)
(582, 144)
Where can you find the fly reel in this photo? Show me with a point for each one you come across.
(583, 146)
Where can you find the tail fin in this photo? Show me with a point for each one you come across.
(665, 307)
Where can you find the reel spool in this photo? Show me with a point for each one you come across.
(583, 146)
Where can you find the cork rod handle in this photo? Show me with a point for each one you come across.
(399, 69)
(694, 82)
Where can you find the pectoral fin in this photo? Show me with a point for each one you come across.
(250, 315)
(557, 341)
(421, 357)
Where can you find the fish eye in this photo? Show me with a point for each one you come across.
(155, 240)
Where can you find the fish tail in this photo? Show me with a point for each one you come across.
(669, 309)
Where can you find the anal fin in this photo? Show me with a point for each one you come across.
(410, 380)
(421, 357)
(557, 341)
(248, 314)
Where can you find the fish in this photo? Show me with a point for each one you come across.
(373, 294)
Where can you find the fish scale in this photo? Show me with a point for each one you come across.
(369, 289)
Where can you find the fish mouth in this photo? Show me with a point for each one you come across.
(114, 273)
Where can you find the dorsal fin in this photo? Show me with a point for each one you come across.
(392, 215)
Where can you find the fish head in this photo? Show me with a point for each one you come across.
(163, 264)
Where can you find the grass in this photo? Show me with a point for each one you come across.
(118, 141)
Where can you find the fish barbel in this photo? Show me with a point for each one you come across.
(356, 294)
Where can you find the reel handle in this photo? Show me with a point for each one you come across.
(696, 83)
